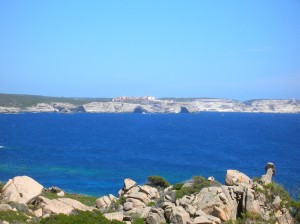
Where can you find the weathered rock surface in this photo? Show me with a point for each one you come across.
(128, 184)
(60, 205)
(20, 189)
(234, 178)
(5, 207)
(270, 172)
(115, 216)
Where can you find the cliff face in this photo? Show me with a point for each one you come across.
(165, 106)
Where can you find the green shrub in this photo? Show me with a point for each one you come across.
(138, 221)
(158, 181)
(151, 204)
(12, 216)
(197, 185)
(1, 186)
(295, 208)
(177, 186)
(81, 217)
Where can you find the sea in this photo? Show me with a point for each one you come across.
(93, 153)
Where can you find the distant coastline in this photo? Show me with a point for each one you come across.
(15, 103)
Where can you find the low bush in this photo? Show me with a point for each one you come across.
(13, 217)
(151, 204)
(198, 184)
(81, 217)
(295, 208)
(1, 186)
(177, 186)
(138, 221)
(158, 181)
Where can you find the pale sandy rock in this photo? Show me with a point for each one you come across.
(143, 212)
(4, 222)
(60, 194)
(61, 205)
(200, 213)
(168, 212)
(75, 204)
(179, 216)
(276, 202)
(150, 191)
(128, 184)
(140, 196)
(252, 205)
(270, 172)
(234, 177)
(121, 193)
(207, 219)
(186, 200)
(136, 203)
(57, 207)
(220, 213)
(106, 200)
(168, 198)
(134, 189)
(128, 206)
(167, 204)
(9, 110)
(103, 202)
(112, 198)
(156, 216)
(5, 207)
(284, 217)
(20, 189)
(38, 213)
(114, 216)
(189, 209)
(212, 197)
(41, 107)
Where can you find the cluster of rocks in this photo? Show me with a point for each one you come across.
(23, 194)
(212, 205)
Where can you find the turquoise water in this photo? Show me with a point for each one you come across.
(93, 153)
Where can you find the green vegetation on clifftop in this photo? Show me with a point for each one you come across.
(22, 101)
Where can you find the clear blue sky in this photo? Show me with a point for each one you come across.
(197, 48)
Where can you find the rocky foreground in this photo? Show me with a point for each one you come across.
(199, 201)
(162, 106)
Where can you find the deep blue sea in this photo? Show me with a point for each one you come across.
(93, 153)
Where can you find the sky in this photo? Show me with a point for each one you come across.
(197, 48)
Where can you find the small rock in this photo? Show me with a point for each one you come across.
(234, 177)
(128, 206)
(211, 178)
(128, 183)
(276, 202)
(114, 216)
(5, 207)
(60, 194)
(112, 198)
(38, 213)
(54, 189)
(179, 216)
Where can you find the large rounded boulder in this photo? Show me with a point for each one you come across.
(20, 189)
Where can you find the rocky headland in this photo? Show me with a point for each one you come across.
(197, 201)
(146, 105)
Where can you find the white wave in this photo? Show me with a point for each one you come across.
(1, 147)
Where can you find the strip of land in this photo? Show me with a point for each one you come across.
(14, 103)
